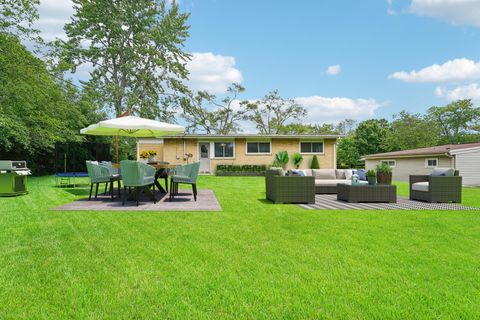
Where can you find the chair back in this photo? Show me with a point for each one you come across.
(194, 170)
(135, 172)
(189, 170)
(97, 172)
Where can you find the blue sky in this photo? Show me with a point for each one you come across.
(341, 59)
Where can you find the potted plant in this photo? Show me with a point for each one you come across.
(371, 177)
(384, 173)
(281, 158)
(144, 155)
(297, 159)
(151, 155)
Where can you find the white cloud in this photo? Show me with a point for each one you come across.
(333, 70)
(53, 16)
(451, 71)
(455, 12)
(213, 73)
(470, 91)
(325, 109)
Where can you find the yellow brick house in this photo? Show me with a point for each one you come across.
(240, 149)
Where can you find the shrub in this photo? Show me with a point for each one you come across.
(241, 170)
(315, 164)
(297, 159)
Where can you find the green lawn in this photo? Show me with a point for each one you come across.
(252, 260)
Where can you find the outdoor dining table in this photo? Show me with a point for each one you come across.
(163, 171)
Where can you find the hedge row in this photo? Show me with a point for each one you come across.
(241, 170)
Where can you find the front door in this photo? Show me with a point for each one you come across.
(204, 156)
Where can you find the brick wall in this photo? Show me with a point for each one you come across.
(173, 151)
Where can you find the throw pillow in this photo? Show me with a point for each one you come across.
(362, 174)
(348, 174)
(324, 174)
(443, 172)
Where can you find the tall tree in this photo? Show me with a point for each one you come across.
(300, 128)
(203, 112)
(272, 112)
(411, 131)
(134, 49)
(34, 110)
(346, 126)
(347, 153)
(457, 120)
(370, 136)
(17, 18)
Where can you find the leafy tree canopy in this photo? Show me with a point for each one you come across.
(34, 109)
(203, 112)
(18, 16)
(457, 120)
(135, 50)
(272, 112)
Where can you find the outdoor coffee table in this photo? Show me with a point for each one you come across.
(367, 193)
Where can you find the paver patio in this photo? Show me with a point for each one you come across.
(206, 201)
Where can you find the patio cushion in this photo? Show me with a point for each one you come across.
(328, 182)
(184, 179)
(340, 173)
(328, 174)
(307, 172)
(348, 174)
(447, 172)
(420, 186)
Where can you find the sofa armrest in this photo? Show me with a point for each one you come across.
(419, 178)
(445, 183)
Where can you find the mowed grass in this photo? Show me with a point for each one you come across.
(253, 260)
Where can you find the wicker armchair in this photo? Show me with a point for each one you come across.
(289, 189)
(439, 188)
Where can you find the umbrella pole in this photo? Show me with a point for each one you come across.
(116, 148)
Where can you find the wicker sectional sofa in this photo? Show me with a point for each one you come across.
(326, 180)
(281, 188)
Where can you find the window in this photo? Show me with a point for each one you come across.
(431, 163)
(223, 149)
(391, 163)
(311, 147)
(258, 147)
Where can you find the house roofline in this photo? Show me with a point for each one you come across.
(374, 157)
(256, 136)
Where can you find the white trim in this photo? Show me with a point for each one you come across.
(257, 153)
(334, 155)
(224, 141)
(430, 167)
(388, 160)
(311, 141)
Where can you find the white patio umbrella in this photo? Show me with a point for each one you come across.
(130, 126)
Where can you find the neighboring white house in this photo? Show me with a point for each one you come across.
(463, 157)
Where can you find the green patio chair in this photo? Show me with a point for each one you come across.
(186, 174)
(138, 175)
(99, 173)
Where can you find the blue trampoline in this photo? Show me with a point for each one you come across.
(66, 178)
(70, 160)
